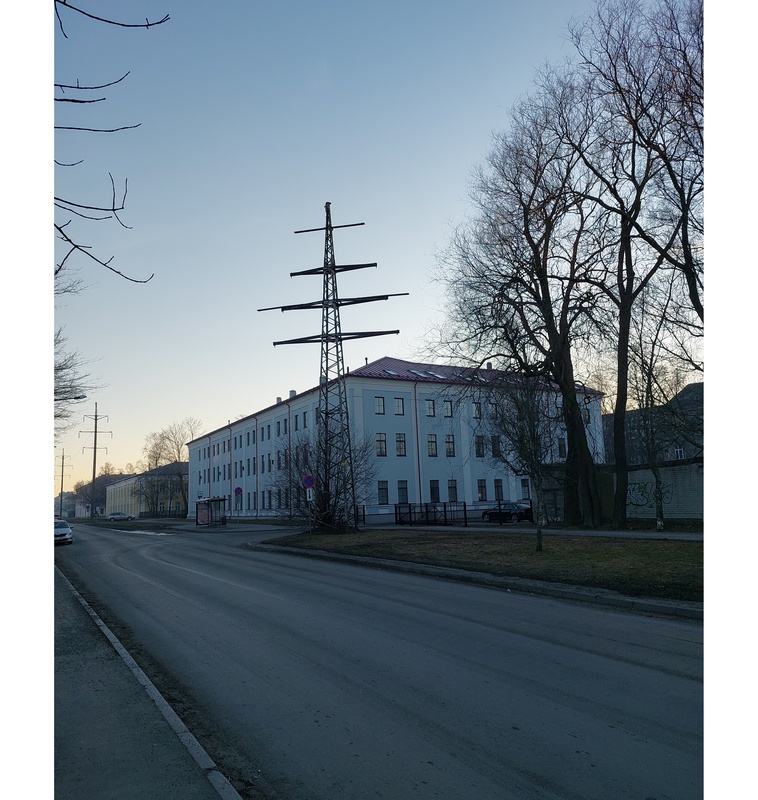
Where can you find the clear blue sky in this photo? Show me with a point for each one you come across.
(252, 117)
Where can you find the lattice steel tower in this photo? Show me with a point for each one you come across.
(335, 500)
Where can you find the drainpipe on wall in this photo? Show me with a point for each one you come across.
(210, 467)
(256, 472)
(289, 451)
(418, 443)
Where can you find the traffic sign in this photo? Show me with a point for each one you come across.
(309, 481)
(238, 490)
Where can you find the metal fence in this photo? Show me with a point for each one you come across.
(431, 514)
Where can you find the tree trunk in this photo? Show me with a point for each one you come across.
(621, 466)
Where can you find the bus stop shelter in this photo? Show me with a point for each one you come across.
(209, 512)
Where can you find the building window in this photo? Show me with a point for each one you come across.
(430, 408)
(400, 444)
(399, 406)
(305, 419)
(378, 405)
(561, 447)
(296, 421)
(402, 491)
(248, 466)
(278, 428)
(434, 491)
(498, 488)
(479, 446)
(496, 447)
(679, 452)
(447, 408)
(268, 436)
(285, 427)
(381, 444)
(383, 493)
(481, 489)
(450, 445)
(477, 410)
(431, 445)
(452, 491)
(525, 489)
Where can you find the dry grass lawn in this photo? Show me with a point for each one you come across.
(637, 567)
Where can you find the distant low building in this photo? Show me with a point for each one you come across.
(670, 432)
(160, 492)
(667, 440)
(65, 505)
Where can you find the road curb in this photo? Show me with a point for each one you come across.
(223, 787)
(582, 594)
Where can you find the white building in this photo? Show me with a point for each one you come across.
(423, 426)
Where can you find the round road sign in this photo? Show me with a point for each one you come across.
(309, 481)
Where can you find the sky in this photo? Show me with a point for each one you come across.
(251, 117)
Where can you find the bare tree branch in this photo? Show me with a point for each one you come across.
(96, 130)
(80, 248)
(146, 24)
(79, 87)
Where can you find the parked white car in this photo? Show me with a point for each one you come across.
(63, 532)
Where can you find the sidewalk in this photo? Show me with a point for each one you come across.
(115, 737)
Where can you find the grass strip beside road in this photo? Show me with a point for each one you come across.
(636, 567)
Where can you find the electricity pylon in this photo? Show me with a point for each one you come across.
(335, 499)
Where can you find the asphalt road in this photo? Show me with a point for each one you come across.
(330, 681)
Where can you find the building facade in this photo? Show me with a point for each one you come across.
(160, 492)
(418, 437)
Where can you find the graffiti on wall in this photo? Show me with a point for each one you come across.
(642, 494)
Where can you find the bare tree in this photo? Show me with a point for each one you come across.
(626, 122)
(520, 275)
(169, 447)
(289, 496)
(71, 383)
(524, 415)
(646, 62)
(595, 188)
(94, 493)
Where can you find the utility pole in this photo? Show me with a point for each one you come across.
(95, 417)
(335, 506)
(60, 499)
